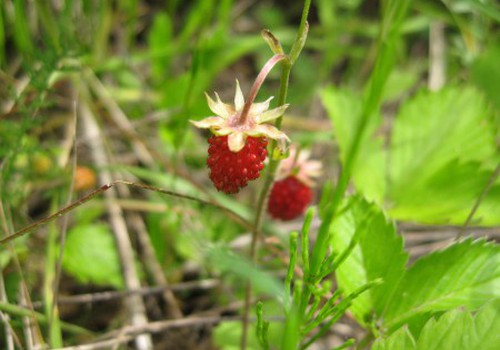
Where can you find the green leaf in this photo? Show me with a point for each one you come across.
(399, 82)
(485, 74)
(446, 196)
(368, 172)
(228, 262)
(160, 45)
(90, 255)
(489, 10)
(442, 153)
(378, 254)
(465, 274)
(399, 340)
(455, 330)
(435, 128)
(227, 336)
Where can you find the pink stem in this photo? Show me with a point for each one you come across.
(257, 84)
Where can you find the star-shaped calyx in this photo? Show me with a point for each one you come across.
(299, 165)
(241, 120)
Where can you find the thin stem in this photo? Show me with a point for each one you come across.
(479, 200)
(261, 205)
(106, 187)
(257, 84)
(286, 67)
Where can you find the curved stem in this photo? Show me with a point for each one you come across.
(257, 84)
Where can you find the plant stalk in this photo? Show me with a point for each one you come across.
(286, 67)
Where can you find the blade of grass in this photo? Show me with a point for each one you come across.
(101, 37)
(21, 311)
(21, 32)
(49, 22)
(2, 38)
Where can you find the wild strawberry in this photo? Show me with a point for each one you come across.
(238, 149)
(289, 198)
(229, 171)
(291, 193)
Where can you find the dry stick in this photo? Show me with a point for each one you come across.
(483, 194)
(106, 187)
(110, 295)
(160, 326)
(127, 333)
(155, 270)
(119, 117)
(151, 264)
(134, 303)
(437, 56)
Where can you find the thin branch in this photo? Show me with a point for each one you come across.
(106, 187)
(110, 295)
(127, 333)
(483, 194)
(151, 262)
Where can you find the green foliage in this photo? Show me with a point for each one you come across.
(485, 74)
(413, 155)
(457, 329)
(227, 262)
(378, 253)
(465, 274)
(369, 169)
(438, 140)
(442, 153)
(228, 337)
(90, 256)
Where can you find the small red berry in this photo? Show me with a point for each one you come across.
(230, 171)
(289, 198)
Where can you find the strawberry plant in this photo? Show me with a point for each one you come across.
(358, 209)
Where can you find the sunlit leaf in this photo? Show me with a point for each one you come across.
(465, 274)
(90, 255)
(369, 171)
(399, 340)
(377, 254)
(455, 330)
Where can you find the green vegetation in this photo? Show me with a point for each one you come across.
(112, 234)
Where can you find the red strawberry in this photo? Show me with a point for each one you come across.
(291, 193)
(289, 198)
(230, 171)
(238, 149)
